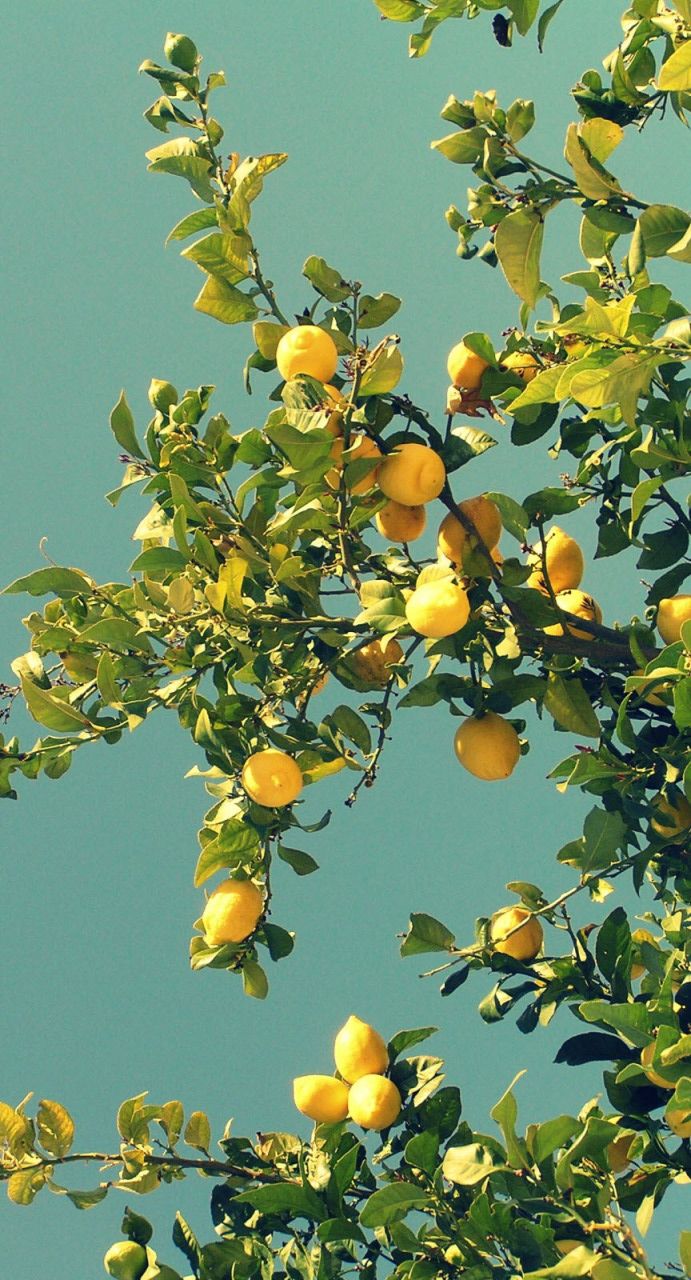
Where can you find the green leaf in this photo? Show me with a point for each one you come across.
(384, 374)
(400, 10)
(55, 1127)
(353, 727)
(426, 934)
(180, 156)
(675, 73)
(225, 303)
(553, 1134)
(87, 1199)
(297, 1202)
(303, 864)
(336, 1229)
(230, 848)
(632, 1021)
(254, 981)
(222, 256)
(662, 225)
(569, 704)
(518, 243)
(157, 560)
(505, 1113)
(49, 708)
(464, 444)
(466, 1166)
(391, 1204)
(54, 581)
(579, 1262)
(620, 382)
(198, 1131)
(685, 1251)
(406, 1039)
(326, 280)
(197, 221)
(524, 14)
(592, 179)
(23, 1186)
(543, 24)
(462, 148)
(122, 427)
(375, 311)
(514, 517)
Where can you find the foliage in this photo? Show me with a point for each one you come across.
(257, 579)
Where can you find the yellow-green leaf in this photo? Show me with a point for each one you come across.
(518, 244)
(55, 1127)
(675, 73)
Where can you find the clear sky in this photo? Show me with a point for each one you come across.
(98, 1002)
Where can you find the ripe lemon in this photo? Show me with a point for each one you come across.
(126, 1260)
(359, 1050)
(321, 1098)
(438, 608)
(638, 936)
(653, 698)
(232, 912)
(359, 447)
(673, 817)
(412, 474)
(465, 368)
(672, 613)
(580, 604)
(272, 778)
(399, 523)
(307, 349)
(679, 1121)
(523, 364)
(526, 942)
(654, 1076)
(373, 661)
(487, 746)
(564, 559)
(374, 1102)
(618, 1153)
(454, 542)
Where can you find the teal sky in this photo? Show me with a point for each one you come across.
(98, 1002)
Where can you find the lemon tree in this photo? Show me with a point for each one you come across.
(226, 620)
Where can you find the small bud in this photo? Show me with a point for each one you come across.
(162, 395)
(181, 51)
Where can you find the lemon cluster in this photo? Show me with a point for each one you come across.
(360, 1090)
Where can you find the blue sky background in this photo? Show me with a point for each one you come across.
(98, 1002)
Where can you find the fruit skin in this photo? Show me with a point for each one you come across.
(321, 1098)
(181, 51)
(580, 604)
(523, 364)
(679, 1121)
(673, 817)
(359, 1050)
(359, 447)
(307, 349)
(465, 368)
(400, 523)
(412, 474)
(162, 395)
(232, 912)
(374, 1102)
(372, 662)
(652, 698)
(565, 563)
(455, 543)
(654, 1076)
(487, 746)
(439, 608)
(271, 778)
(640, 935)
(672, 612)
(526, 942)
(126, 1260)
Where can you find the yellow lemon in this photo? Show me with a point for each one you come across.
(399, 523)
(465, 367)
(412, 474)
(580, 604)
(487, 746)
(232, 912)
(374, 1102)
(564, 560)
(672, 613)
(526, 942)
(271, 778)
(523, 364)
(652, 677)
(360, 447)
(321, 1098)
(359, 1050)
(679, 1121)
(673, 817)
(454, 542)
(438, 608)
(307, 349)
(126, 1260)
(654, 1076)
(638, 936)
(373, 661)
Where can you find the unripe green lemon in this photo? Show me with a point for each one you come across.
(374, 1102)
(126, 1260)
(162, 395)
(181, 51)
(359, 1050)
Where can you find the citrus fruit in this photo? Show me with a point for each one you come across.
(465, 367)
(672, 817)
(438, 608)
(359, 1050)
(564, 560)
(412, 474)
(360, 447)
(400, 523)
(232, 912)
(374, 1102)
(126, 1260)
(647, 1055)
(638, 936)
(271, 778)
(580, 604)
(679, 1121)
(672, 613)
(453, 540)
(307, 349)
(373, 661)
(321, 1098)
(526, 942)
(523, 364)
(487, 746)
